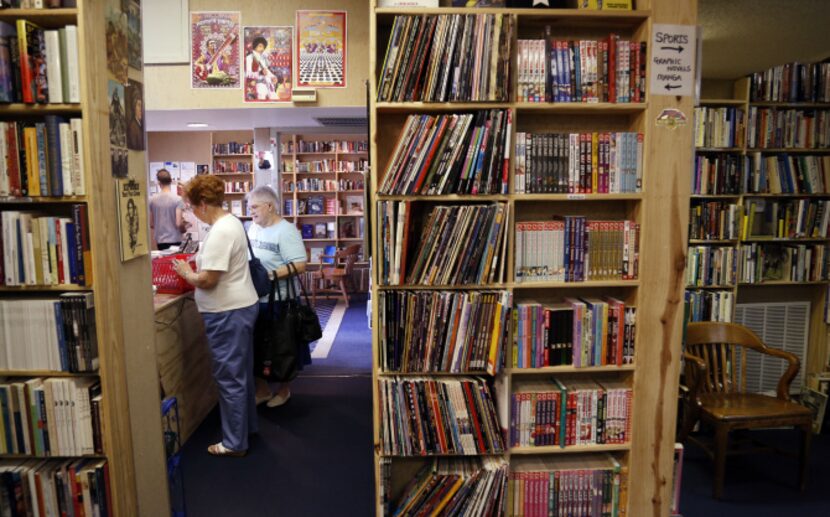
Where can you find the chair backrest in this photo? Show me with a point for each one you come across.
(723, 347)
(347, 257)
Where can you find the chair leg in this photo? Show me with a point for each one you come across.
(721, 442)
(804, 455)
(345, 294)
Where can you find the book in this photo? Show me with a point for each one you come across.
(33, 72)
(320, 230)
(354, 205)
(308, 231)
(315, 205)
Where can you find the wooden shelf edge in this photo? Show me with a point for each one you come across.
(45, 288)
(599, 15)
(45, 373)
(570, 369)
(571, 449)
(34, 200)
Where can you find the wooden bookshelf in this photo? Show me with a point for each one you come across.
(768, 290)
(333, 152)
(131, 429)
(221, 155)
(661, 209)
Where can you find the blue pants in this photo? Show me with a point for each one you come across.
(230, 336)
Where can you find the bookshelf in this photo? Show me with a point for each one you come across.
(328, 170)
(659, 206)
(130, 425)
(752, 193)
(232, 155)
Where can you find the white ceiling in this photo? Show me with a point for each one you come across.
(287, 119)
(739, 37)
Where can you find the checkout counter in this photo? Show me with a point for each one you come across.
(183, 358)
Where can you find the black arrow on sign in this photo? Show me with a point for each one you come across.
(678, 48)
(671, 87)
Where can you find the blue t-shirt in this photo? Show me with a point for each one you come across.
(276, 246)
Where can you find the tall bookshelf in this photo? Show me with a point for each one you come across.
(232, 154)
(331, 168)
(130, 424)
(746, 194)
(660, 207)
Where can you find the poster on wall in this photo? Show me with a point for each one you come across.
(132, 218)
(134, 34)
(116, 35)
(214, 50)
(117, 129)
(321, 49)
(268, 70)
(135, 115)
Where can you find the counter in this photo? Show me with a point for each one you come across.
(183, 358)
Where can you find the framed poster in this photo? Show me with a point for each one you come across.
(116, 38)
(321, 49)
(134, 34)
(214, 50)
(268, 63)
(132, 218)
(134, 93)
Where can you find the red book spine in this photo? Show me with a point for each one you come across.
(474, 416)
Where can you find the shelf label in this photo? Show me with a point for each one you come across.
(576, 196)
(672, 59)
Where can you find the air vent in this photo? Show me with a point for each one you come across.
(342, 121)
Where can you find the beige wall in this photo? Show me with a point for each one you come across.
(180, 146)
(168, 86)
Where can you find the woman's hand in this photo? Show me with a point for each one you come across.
(182, 268)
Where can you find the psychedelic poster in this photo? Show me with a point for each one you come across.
(134, 34)
(321, 49)
(214, 50)
(268, 70)
(132, 218)
(116, 36)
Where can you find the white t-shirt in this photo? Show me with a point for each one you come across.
(276, 246)
(226, 249)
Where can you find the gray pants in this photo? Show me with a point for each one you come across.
(230, 336)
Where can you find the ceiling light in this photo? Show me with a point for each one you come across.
(196, 124)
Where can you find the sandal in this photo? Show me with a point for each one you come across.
(278, 400)
(217, 449)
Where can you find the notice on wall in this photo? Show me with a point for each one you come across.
(673, 50)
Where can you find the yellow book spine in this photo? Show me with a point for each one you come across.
(32, 166)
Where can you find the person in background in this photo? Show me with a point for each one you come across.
(166, 214)
(275, 242)
(227, 300)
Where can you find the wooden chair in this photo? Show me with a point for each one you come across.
(332, 276)
(715, 367)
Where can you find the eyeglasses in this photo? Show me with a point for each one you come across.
(257, 206)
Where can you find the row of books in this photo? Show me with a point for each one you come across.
(315, 205)
(325, 166)
(607, 70)
(457, 486)
(42, 158)
(423, 416)
(715, 220)
(38, 65)
(38, 4)
(792, 82)
(317, 166)
(55, 487)
(238, 187)
(711, 266)
(56, 334)
(786, 218)
(721, 127)
(451, 154)
(458, 245)
(587, 486)
(791, 174)
(709, 305)
(719, 174)
(51, 417)
(773, 128)
(568, 411)
(448, 57)
(230, 166)
(325, 230)
(315, 146)
(588, 162)
(580, 332)
(351, 146)
(576, 249)
(310, 185)
(233, 148)
(46, 250)
(444, 331)
(788, 263)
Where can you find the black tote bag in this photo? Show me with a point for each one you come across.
(276, 349)
(308, 324)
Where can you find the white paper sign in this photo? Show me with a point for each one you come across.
(187, 171)
(673, 59)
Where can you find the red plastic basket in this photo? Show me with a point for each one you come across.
(165, 277)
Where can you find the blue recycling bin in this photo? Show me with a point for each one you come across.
(173, 453)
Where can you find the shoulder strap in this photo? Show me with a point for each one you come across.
(292, 269)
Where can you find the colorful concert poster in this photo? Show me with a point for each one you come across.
(321, 49)
(268, 70)
(214, 49)
(116, 36)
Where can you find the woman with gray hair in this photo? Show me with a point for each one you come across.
(275, 242)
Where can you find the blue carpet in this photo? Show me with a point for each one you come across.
(759, 485)
(352, 349)
(323, 309)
